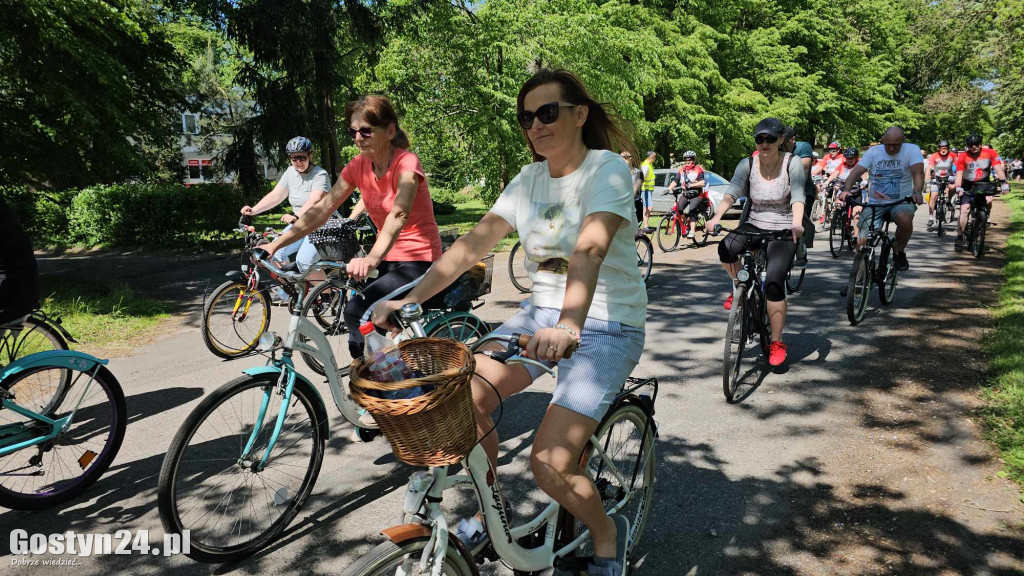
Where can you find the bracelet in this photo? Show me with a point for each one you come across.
(571, 333)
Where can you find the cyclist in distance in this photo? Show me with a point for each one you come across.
(939, 166)
(773, 182)
(805, 152)
(974, 168)
(394, 193)
(691, 176)
(895, 170)
(833, 160)
(19, 274)
(573, 209)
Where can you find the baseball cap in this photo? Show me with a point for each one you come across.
(771, 126)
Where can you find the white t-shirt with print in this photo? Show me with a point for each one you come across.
(890, 175)
(549, 212)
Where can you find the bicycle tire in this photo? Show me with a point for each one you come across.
(90, 420)
(978, 245)
(837, 233)
(607, 484)
(644, 255)
(700, 238)
(858, 288)
(181, 464)
(517, 269)
(239, 340)
(887, 287)
(387, 557)
(326, 304)
(737, 332)
(36, 334)
(794, 285)
(668, 233)
(462, 326)
(940, 216)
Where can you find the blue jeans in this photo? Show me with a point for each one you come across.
(306, 254)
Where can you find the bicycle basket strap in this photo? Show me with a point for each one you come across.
(336, 240)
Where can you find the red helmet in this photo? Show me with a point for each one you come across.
(833, 146)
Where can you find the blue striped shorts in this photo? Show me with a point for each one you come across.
(590, 379)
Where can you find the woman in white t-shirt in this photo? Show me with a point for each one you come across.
(573, 209)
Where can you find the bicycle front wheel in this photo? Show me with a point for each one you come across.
(940, 215)
(737, 335)
(668, 233)
(837, 233)
(325, 304)
(644, 255)
(858, 288)
(701, 232)
(887, 289)
(212, 487)
(234, 318)
(389, 559)
(461, 326)
(34, 335)
(517, 269)
(980, 223)
(794, 279)
(627, 438)
(62, 468)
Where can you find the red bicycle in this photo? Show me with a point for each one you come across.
(674, 224)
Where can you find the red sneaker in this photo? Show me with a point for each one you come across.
(728, 303)
(777, 353)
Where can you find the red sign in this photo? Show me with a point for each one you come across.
(193, 162)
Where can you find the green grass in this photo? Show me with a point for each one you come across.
(1004, 413)
(466, 216)
(112, 319)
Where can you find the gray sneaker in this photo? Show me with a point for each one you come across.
(617, 566)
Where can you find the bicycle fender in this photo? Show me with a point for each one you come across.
(57, 358)
(56, 323)
(235, 275)
(303, 382)
(403, 532)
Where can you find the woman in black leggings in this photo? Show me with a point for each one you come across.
(773, 183)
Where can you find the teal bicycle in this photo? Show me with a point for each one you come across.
(62, 421)
(245, 460)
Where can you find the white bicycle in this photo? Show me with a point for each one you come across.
(619, 458)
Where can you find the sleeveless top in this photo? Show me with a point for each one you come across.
(770, 199)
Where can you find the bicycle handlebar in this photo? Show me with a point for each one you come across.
(770, 234)
(856, 202)
(260, 257)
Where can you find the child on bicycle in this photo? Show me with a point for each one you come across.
(573, 209)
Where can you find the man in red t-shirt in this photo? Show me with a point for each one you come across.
(974, 169)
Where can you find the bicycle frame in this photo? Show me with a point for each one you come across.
(17, 432)
(484, 480)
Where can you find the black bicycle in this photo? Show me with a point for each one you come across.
(869, 270)
(748, 318)
(944, 208)
(977, 218)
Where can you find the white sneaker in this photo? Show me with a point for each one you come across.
(278, 295)
(692, 233)
(931, 221)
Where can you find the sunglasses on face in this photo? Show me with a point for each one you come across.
(298, 158)
(547, 114)
(762, 138)
(627, 157)
(365, 132)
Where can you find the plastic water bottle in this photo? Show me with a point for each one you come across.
(384, 361)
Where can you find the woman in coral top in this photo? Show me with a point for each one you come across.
(394, 193)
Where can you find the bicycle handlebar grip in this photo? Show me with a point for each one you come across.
(524, 339)
(717, 229)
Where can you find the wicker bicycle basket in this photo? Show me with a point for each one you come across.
(437, 428)
(336, 240)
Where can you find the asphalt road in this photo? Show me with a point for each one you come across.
(860, 456)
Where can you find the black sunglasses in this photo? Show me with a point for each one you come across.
(547, 114)
(298, 158)
(762, 138)
(365, 132)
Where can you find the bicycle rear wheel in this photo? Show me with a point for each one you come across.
(209, 487)
(887, 287)
(623, 438)
(517, 269)
(644, 255)
(34, 335)
(837, 233)
(62, 468)
(234, 318)
(326, 305)
(737, 336)
(858, 288)
(668, 233)
(701, 232)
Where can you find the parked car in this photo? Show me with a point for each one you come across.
(716, 185)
